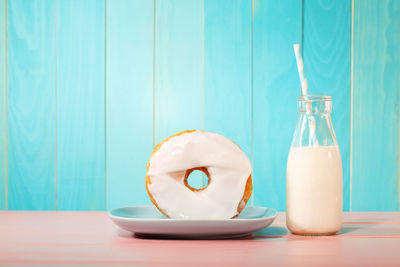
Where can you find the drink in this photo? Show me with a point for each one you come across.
(314, 190)
(314, 171)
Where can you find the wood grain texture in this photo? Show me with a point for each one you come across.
(178, 69)
(58, 116)
(31, 109)
(327, 62)
(376, 105)
(129, 100)
(80, 103)
(3, 108)
(276, 87)
(227, 70)
(90, 238)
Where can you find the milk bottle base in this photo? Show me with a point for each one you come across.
(314, 232)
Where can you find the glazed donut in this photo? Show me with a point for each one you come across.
(225, 164)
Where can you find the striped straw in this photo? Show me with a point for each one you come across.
(304, 89)
(300, 68)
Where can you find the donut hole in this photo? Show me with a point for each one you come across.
(195, 178)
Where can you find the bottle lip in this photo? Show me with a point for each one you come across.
(310, 98)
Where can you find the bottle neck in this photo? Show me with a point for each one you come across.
(316, 105)
(314, 127)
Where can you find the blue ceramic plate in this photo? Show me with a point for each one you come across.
(147, 221)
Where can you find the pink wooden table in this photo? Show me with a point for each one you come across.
(90, 238)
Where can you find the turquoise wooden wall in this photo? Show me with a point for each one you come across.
(87, 88)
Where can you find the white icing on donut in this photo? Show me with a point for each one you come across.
(227, 164)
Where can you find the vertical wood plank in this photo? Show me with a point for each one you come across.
(31, 109)
(376, 86)
(178, 74)
(178, 67)
(80, 102)
(3, 107)
(276, 87)
(327, 62)
(227, 70)
(129, 100)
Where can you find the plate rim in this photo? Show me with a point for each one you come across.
(273, 216)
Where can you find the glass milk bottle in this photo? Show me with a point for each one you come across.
(314, 171)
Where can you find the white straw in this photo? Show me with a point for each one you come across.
(304, 90)
(300, 68)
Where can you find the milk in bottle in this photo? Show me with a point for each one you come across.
(314, 171)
